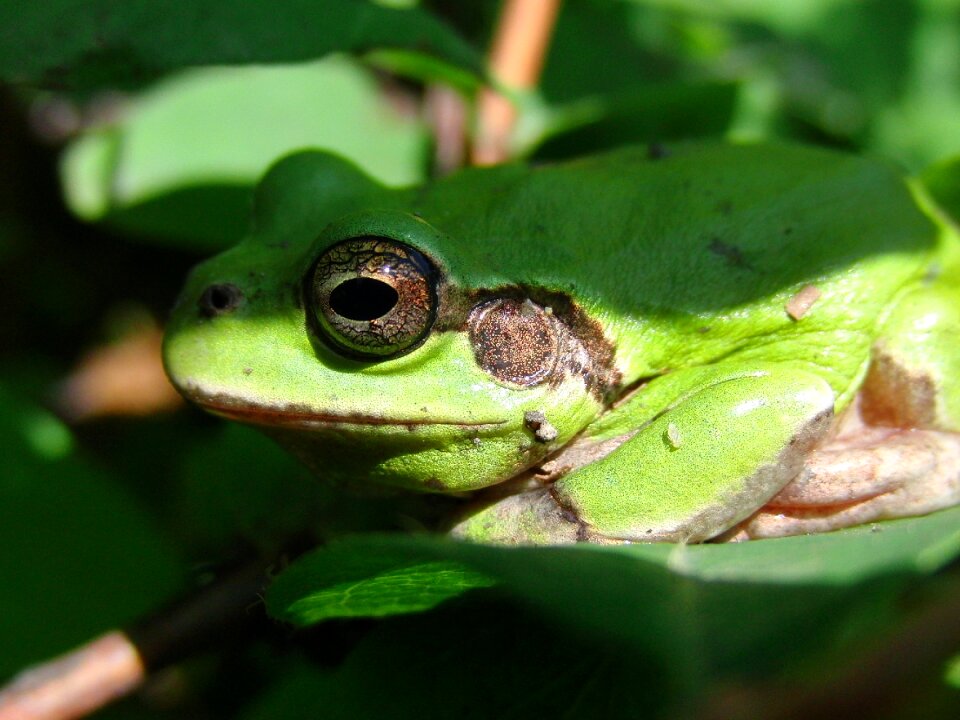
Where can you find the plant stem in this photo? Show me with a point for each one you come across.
(76, 683)
(516, 58)
(116, 664)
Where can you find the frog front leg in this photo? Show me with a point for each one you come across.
(684, 458)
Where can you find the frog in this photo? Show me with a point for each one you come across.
(696, 342)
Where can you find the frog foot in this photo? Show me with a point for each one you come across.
(865, 473)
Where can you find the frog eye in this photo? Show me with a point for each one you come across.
(371, 297)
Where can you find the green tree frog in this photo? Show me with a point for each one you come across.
(679, 344)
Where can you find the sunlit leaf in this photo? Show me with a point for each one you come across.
(181, 167)
(357, 579)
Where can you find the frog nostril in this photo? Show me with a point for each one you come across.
(219, 299)
(363, 298)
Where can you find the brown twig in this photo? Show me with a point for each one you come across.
(75, 684)
(516, 59)
(116, 664)
(447, 114)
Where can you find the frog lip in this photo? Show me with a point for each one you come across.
(297, 416)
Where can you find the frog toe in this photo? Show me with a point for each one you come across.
(901, 474)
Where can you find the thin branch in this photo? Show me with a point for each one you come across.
(116, 664)
(447, 114)
(516, 59)
(75, 684)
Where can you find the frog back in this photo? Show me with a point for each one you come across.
(695, 254)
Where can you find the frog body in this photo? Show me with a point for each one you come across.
(625, 347)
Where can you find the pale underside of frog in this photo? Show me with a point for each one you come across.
(716, 342)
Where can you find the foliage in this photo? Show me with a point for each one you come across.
(104, 520)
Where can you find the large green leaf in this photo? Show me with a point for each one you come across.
(484, 659)
(700, 608)
(181, 166)
(632, 631)
(94, 43)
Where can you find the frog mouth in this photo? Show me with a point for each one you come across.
(297, 416)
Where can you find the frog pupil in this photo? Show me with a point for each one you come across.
(363, 298)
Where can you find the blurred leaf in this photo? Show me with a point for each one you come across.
(785, 15)
(652, 113)
(918, 125)
(595, 51)
(66, 44)
(79, 554)
(943, 183)
(233, 484)
(952, 673)
(356, 579)
(424, 68)
(181, 167)
(878, 75)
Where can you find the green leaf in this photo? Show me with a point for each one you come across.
(952, 673)
(79, 554)
(942, 181)
(626, 631)
(595, 51)
(181, 167)
(472, 660)
(67, 44)
(362, 578)
(665, 111)
(701, 608)
(786, 15)
(417, 66)
(233, 483)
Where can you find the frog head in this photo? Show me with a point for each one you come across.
(361, 335)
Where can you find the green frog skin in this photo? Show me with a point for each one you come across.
(709, 342)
